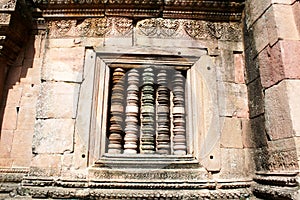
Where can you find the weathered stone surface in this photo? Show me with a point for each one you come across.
(290, 50)
(10, 118)
(58, 100)
(53, 136)
(26, 118)
(46, 165)
(233, 99)
(261, 32)
(239, 66)
(278, 62)
(270, 66)
(63, 64)
(293, 88)
(256, 8)
(22, 148)
(233, 162)
(296, 11)
(256, 98)
(13, 96)
(254, 134)
(231, 133)
(6, 143)
(252, 65)
(281, 23)
(277, 112)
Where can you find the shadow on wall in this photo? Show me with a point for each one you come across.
(258, 136)
(17, 113)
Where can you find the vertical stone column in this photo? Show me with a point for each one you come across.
(147, 143)
(272, 46)
(132, 113)
(163, 113)
(117, 112)
(179, 140)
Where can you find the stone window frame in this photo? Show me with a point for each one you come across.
(200, 68)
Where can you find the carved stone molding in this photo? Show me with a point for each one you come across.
(190, 9)
(280, 185)
(91, 27)
(194, 29)
(154, 27)
(276, 160)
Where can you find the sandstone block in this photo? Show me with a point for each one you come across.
(26, 118)
(46, 165)
(6, 143)
(239, 66)
(13, 96)
(53, 136)
(270, 65)
(256, 98)
(10, 116)
(22, 143)
(252, 65)
(255, 8)
(260, 34)
(279, 123)
(233, 163)
(281, 23)
(227, 67)
(63, 64)
(290, 57)
(233, 99)
(253, 132)
(293, 88)
(278, 62)
(58, 100)
(296, 11)
(22, 148)
(231, 133)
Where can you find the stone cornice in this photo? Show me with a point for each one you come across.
(217, 10)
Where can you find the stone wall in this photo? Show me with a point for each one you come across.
(46, 126)
(248, 119)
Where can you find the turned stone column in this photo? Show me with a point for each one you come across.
(116, 112)
(148, 113)
(163, 114)
(132, 113)
(179, 140)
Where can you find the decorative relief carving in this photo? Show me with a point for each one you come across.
(159, 27)
(9, 5)
(276, 160)
(4, 18)
(196, 29)
(91, 27)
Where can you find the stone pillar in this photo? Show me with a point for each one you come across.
(272, 46)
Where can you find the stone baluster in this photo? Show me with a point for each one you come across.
(117, 112)
(147, 143)
(163, 114)
(132, 113)
(179, 140)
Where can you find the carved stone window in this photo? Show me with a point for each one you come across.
(149, 109)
